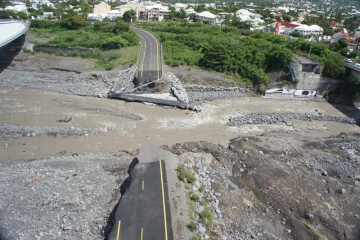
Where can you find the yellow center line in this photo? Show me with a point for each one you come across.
(163, 200)
(142, 187)
(118, 231)
(142, 234)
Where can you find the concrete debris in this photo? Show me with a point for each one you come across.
(177, 88)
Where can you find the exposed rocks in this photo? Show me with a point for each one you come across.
(82, 84)
(267, 118)
(208, 93)
(9, 131)
(69, 197)
(177, 88)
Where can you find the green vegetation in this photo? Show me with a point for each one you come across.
(206, 217)
(109, 44)
(223, 49)
(185, 175)
(246, 59)
(129, 16)
(192, 226)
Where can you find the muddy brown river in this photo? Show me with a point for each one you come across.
(128, 125)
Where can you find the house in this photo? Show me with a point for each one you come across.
(305, 72)
(137, 7)
(102, 9)
(209, 18)
(245, 15)
(48, 14)
(114, 14)
(157, 13)
(305, 30)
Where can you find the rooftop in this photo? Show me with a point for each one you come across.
(302, 60)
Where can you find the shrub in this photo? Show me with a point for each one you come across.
(73, 22)
(206, 218)
(185, 175)
(114, 43)
(192, 226)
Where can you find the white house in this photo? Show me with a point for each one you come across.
(245, 15)
(209, 18)
(114, 14)
(309, 30)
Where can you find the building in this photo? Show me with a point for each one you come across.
(245, 15)
(209, 18)
(157, 13)
(102, 9)
(305, 73)
(137, 7)
(305, 30)
(114, 14)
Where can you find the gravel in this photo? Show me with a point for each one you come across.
(267, 118)
(200, 93)
(68, 197)
(69, 82)
(15, 131)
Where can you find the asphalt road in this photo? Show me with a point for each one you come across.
(150, 60)
(143, 212)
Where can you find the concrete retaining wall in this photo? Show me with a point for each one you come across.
(54, 49)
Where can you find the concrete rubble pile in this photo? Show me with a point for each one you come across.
(266, 118)
(210, 93)
(177, 88)
(124, 81)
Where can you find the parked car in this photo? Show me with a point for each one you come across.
(305, 93)
(348, 60)
(280, 91)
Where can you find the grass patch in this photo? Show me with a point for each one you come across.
(195, 238)
(316, 233)
(103, 60)
(192, 226)
(194, 197)
(185, 175)
(206, 217)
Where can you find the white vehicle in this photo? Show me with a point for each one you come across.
(305, 93)
(357, 65)
(280, 91)
(348, 60)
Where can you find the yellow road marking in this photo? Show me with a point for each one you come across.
(142, 187)
(142, 233)
(163, 200)
(118, 232)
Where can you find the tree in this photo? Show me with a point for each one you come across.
(341, 44)
(73, 22)
(334, 66)
(120, 26)
(172, 13)
(286, 18)
(181, 14)
(129, 16)
(278, 18)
